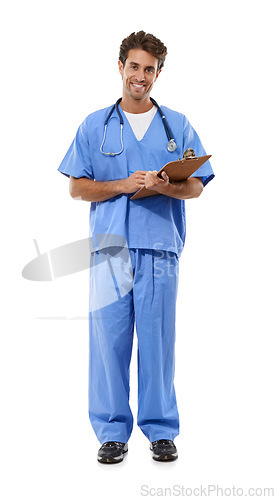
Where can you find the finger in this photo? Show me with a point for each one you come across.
(140, 171)
(141, 177)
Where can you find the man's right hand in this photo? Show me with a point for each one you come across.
(134, 182)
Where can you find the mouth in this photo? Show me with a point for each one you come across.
(137, 85)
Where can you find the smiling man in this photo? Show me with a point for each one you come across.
(139, 73)
(116, 151)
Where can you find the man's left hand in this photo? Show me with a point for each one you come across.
(154, 182)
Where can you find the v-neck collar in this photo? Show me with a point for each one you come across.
(131, 130)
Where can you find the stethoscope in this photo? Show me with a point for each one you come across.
(171, 146)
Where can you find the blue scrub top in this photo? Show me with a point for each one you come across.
(155, 222)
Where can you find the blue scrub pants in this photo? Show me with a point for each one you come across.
(151, 305)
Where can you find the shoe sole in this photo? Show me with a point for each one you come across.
(111, 460)
(165, 457)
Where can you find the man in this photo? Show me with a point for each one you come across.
(107, 164)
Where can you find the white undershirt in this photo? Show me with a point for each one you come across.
(140, 122)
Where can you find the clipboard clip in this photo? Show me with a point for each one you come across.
(189, 154)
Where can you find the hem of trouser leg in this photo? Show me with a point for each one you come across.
(157, 438)
(115, 439)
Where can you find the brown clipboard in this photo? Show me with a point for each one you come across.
(177, 171)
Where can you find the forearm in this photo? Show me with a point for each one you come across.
(190, 188)
(90, 190)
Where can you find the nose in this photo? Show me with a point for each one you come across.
(140, 75)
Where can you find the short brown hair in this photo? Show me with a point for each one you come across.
(144, 41)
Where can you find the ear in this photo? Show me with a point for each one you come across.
(120, 67)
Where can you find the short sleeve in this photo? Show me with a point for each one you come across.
(77, 161)
(192, 140)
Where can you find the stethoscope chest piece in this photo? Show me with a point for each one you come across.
(171, 146)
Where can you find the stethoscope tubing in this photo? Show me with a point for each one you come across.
(164, 121)
(171, 146)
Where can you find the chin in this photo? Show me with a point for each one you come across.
(138, 97)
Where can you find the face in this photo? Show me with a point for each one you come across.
(139, 73)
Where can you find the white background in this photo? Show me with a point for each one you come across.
(60, 64)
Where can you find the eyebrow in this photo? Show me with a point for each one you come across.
(137, 64)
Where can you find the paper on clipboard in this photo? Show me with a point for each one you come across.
(177, 171)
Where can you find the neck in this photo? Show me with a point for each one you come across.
(136, 106)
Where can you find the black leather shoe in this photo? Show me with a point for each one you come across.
(112, 452)
(164, 450)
